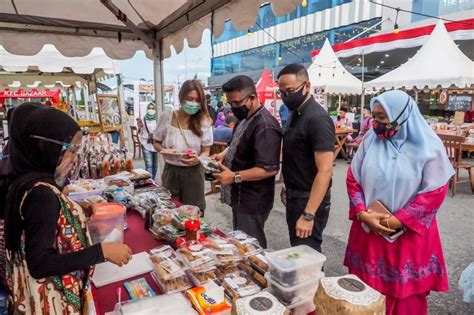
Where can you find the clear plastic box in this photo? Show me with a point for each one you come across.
(107, 222)
(297, 293)
(295, 265)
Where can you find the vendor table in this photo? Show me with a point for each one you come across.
(341, 138)
(139, 240)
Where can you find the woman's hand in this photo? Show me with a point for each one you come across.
(117, 253)
(372, 219)
(191, 160)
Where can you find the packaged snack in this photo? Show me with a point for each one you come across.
(209, 299)
(139, 289)
(162, 217)
(197, 257)
(239, 285)
(168, 233)
(296, 293)
(166, 263)
(189, 211)
(260, 263)
(259, 278)
(199, 278)
(172, 285)
(224, 251)
(246, 245)
(227, 270)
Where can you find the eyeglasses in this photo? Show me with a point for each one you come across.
(239, 103)
(73, 147)
(288, 92)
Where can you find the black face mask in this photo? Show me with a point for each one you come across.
(240, 112)
(294, 100)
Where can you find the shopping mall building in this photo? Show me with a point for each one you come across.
(353, 27)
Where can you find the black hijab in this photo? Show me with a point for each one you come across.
(32, 160)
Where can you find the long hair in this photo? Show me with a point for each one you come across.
(196, 121)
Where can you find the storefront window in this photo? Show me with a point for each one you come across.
(439, 7)
(267, 19)
(296, 50)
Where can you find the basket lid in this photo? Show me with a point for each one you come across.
(106, 210)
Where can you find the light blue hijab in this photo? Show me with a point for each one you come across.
(414, 161)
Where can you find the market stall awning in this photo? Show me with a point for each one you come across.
(50, 67)
(439, 62)
(327, 72)
(415, 37)
(121, 27)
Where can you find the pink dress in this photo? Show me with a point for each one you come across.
(414, 263)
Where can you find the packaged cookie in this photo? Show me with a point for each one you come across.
(239, 285)
(166, 263)
(172, 285)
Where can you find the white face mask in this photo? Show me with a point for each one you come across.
(151, 112)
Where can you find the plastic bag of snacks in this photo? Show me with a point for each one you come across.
(168, 233)
(247, 245)
(197, 257)
(200, 278)
(191, 212)
(224, 251)
(166, 263)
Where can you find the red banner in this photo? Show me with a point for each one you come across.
(55, 96)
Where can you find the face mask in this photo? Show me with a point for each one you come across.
(151, 112)
(240, 112)
(191, 108)
(387, 131)
(294, 100)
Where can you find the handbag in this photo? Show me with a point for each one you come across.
(181, 130)
(150, 139)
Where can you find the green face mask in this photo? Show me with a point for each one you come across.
(191, 108)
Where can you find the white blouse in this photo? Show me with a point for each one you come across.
(171, 137)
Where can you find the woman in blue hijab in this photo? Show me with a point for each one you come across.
(401, 167)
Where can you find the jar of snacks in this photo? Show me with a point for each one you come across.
(192, 229)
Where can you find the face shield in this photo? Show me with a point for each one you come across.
(70, 160)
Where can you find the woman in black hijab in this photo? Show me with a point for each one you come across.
(50, 258)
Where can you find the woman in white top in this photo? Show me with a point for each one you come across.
(189, 131)
(147, 127)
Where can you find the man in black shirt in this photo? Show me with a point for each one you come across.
(308, 151)
(251, 161)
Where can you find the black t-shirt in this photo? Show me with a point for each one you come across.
(310, 129)
(259, 146)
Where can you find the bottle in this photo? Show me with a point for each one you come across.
(120, 196)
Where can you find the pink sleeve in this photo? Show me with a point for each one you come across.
(356, 196)
(418, 213)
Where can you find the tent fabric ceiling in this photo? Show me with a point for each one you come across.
(443, 64)
(75, 27)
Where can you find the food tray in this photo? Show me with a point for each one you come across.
(295, 264)
(166, 263)
(294, 294)
(173, 285)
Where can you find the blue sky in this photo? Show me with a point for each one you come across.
(178, 67)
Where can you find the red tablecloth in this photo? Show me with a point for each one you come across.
(139, 240)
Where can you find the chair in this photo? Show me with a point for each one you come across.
(453, 145)
(216, 148)
(136, 142)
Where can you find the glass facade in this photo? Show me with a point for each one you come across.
(266, 18)
(439, 7)
(293, 50)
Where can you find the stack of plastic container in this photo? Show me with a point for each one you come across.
(294, 276)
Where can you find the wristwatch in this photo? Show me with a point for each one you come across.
(237, 178)
(308, 216)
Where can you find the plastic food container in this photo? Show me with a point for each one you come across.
(294, 294)
(295, 265)
(302, 307)
(107, 222)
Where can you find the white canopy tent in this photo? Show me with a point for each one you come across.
(123, 27)
(326, 71)
(50, 67)
(439, 62)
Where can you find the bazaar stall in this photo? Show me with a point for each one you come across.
(329, 76)
(179, 258)
(267, 93)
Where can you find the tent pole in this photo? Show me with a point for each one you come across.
(158, 78)
(86, 101)
(74, 103)
(339, 104)
(362, 101)
(160, 104)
